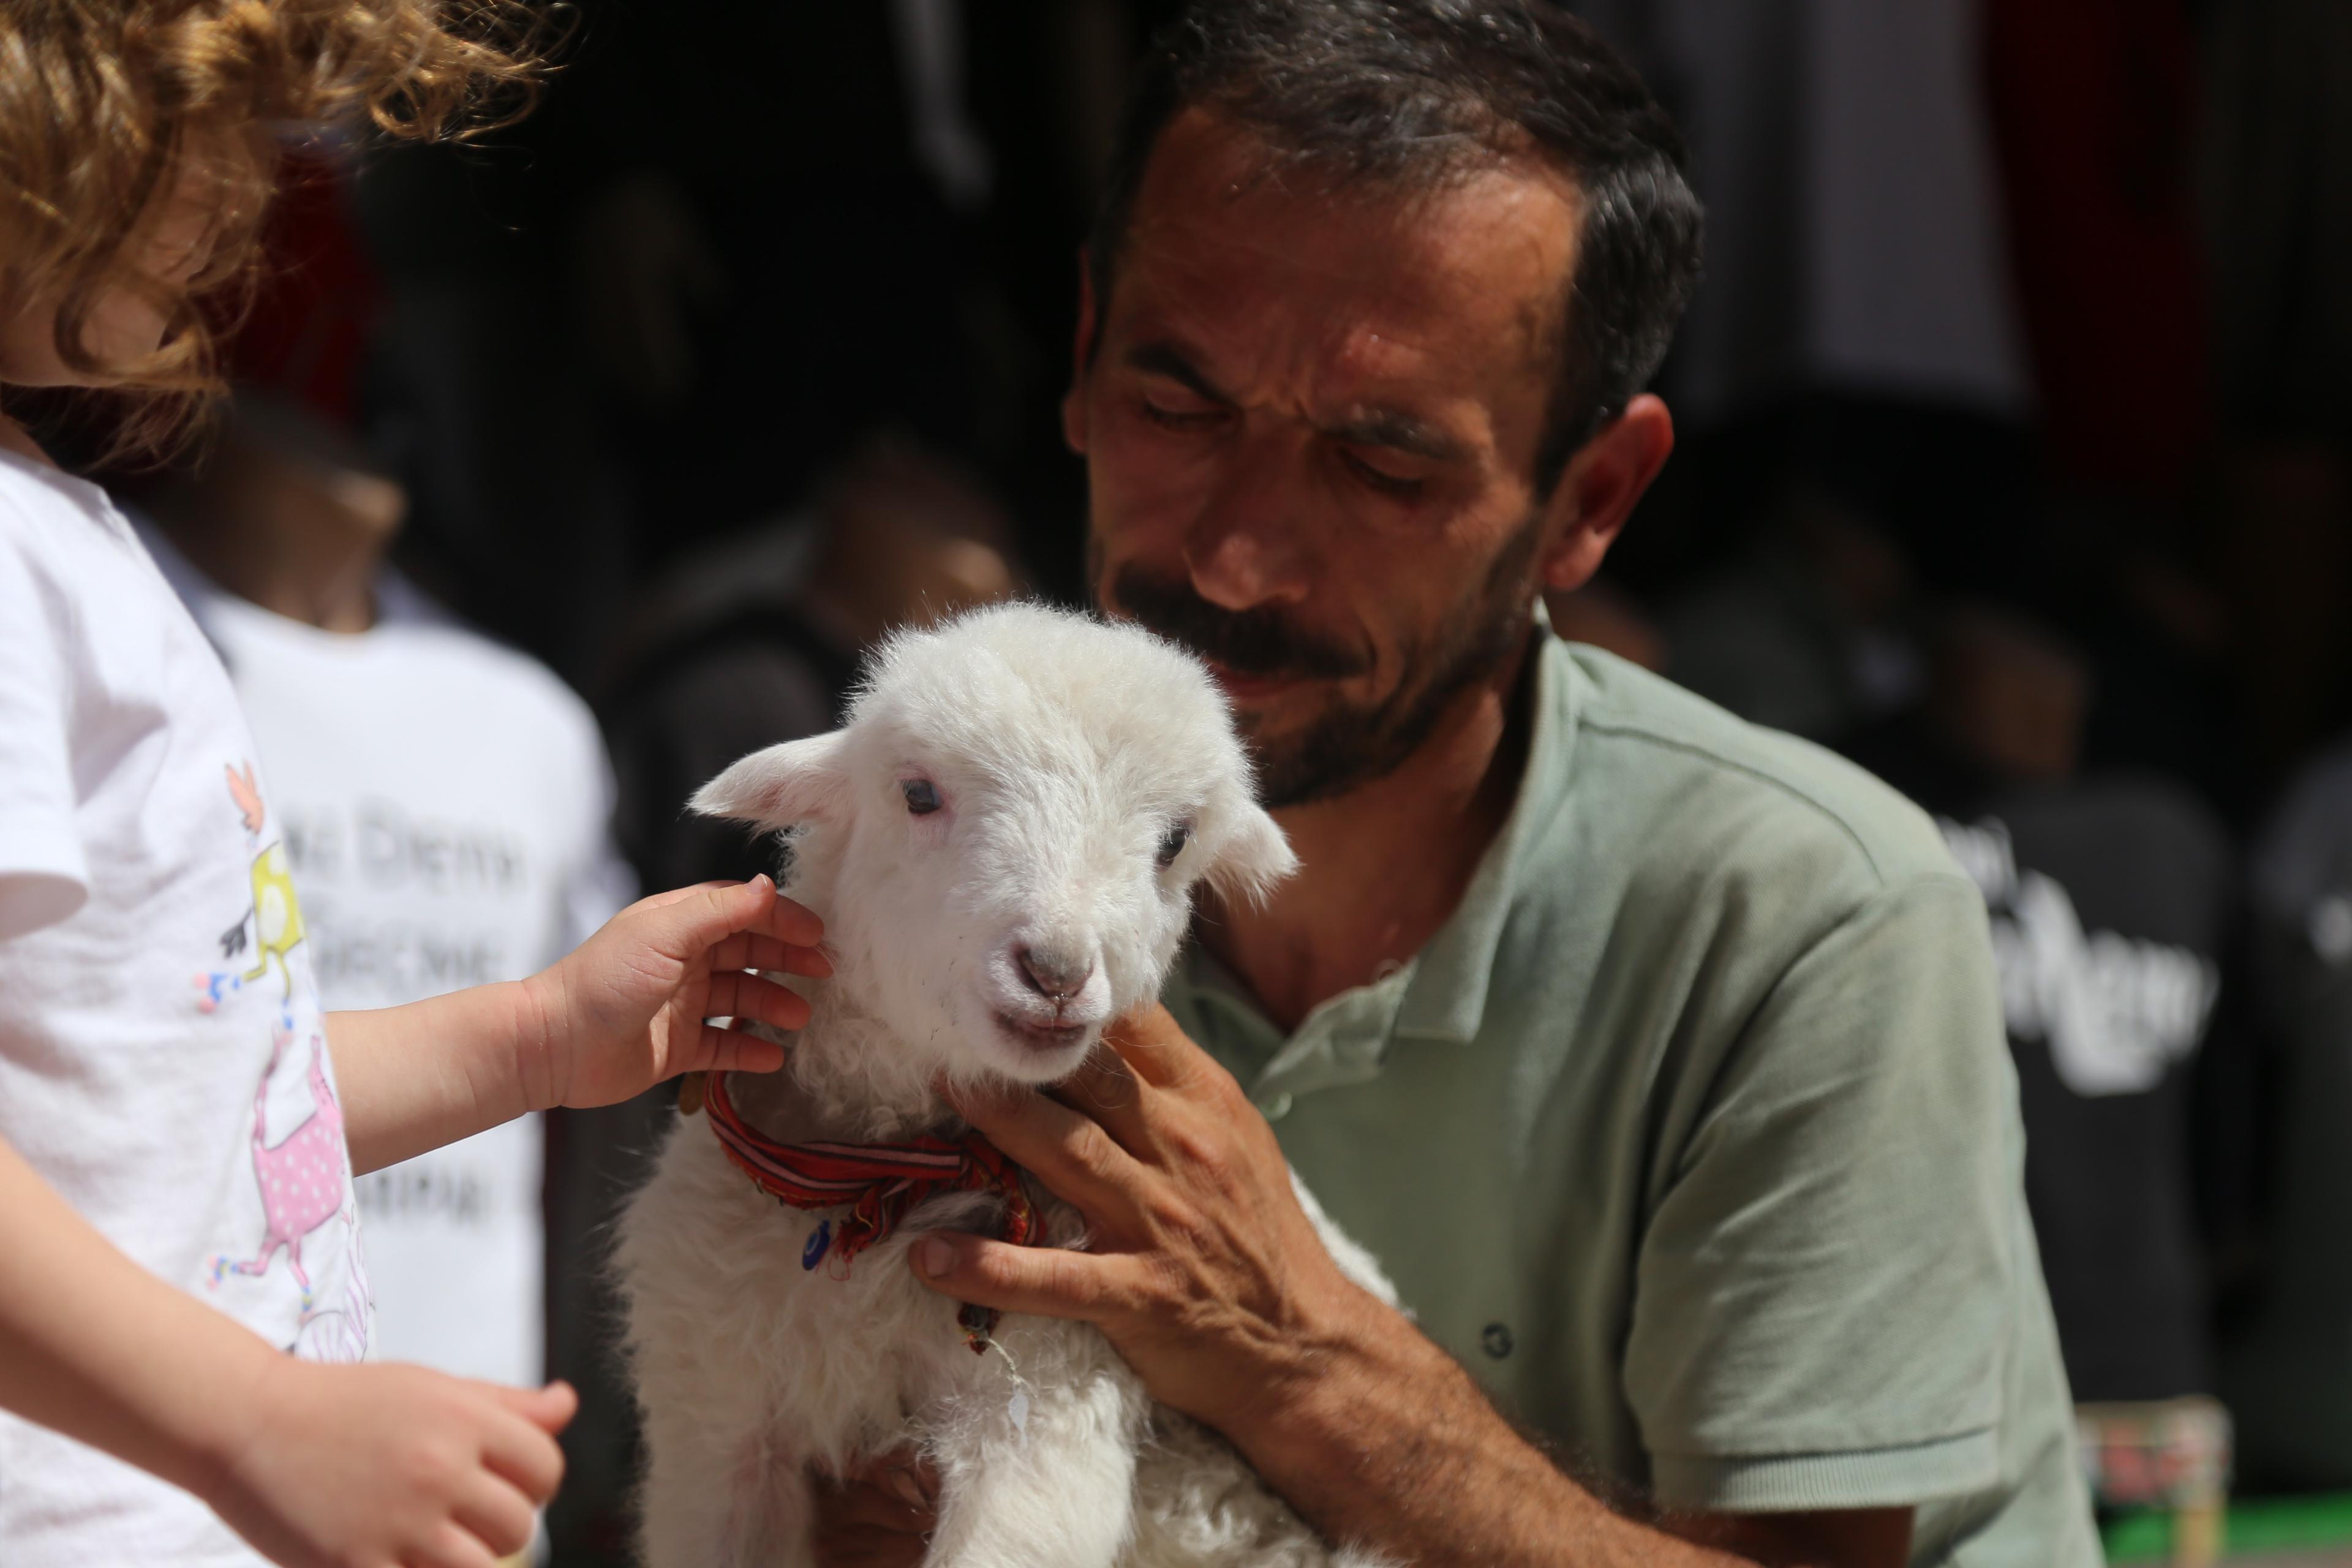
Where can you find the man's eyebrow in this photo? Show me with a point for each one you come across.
(1402, 431)
(1165, 359)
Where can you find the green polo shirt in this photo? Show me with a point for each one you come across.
(1693, 1133)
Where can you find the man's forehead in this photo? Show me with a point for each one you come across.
(1375, 274)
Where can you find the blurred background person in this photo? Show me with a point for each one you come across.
(2114, 902)
(756, 639)
(447, 807)
(2287, 1364)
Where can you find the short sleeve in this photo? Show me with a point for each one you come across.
(597, 882)
(43, 879)
(1825, 1292)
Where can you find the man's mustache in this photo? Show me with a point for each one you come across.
(1258, 642)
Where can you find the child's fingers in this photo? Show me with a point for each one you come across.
(452, 1545)
(794, 923)
(549, 1409)
(733, 1051)
(495, 1514)
(695, 924)
(739, 995)
(524, 1455)
(663, 901)
(752, 950)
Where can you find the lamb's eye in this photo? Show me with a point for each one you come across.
(1173, 844)
(922, 796)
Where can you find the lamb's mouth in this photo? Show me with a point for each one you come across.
(1043, 1037)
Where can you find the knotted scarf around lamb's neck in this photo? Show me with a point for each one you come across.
(878, 1182)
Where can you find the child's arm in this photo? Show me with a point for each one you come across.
(314, 1465)
(621, 1012)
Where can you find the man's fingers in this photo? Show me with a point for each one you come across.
(1078, 1161)
(1105, 1089)
(880, 1515)
(902, 1476)
(1047, 1281)
(1150, 1041)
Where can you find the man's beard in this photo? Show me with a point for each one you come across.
(1349, 744)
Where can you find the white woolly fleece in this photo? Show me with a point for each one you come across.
(1086, 777)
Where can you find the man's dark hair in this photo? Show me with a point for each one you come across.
(1417, 92)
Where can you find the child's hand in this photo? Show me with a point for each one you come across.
(625, 1010)
(375, 1466)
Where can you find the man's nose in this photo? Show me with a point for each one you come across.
(1244, 550)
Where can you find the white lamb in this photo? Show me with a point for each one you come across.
(1003, 842)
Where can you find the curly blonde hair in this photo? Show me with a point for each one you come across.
(111, 110)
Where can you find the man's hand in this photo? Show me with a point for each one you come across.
(879, 1515)
(1208, 1276)
(625, 1010)
(1204, 1271)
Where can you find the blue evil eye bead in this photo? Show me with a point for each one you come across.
(922, 796)
(814, 1253)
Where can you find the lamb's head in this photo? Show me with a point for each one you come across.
(1005, 836)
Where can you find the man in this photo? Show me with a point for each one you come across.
(1658, 1057)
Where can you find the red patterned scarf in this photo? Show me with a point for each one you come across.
(878, 1182)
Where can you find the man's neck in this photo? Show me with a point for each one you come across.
(1383, 867)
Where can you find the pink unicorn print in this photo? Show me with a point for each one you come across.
(302, 1180)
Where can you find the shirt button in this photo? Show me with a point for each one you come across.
(1495, 1341)
(1275, 1106)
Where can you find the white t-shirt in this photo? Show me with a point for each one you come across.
(163, 1061)
(447, 803)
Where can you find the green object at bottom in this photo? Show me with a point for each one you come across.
(2255, 1524)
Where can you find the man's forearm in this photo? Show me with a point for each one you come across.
(1382, 1440)
(418, 1077)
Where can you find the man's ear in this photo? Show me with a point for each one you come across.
(800, 781)
(1082, 354)
(1604, 479)
(1252, 855)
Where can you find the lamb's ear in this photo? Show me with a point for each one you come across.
(800, 781)
(1254, 855)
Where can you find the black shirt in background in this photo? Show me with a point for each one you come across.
(2110, 903)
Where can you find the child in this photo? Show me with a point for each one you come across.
(183, 1308)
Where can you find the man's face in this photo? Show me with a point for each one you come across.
(1311, 427)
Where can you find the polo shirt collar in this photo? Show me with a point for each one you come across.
(1440, 994)
(1445, 994)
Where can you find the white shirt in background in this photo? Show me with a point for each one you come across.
(162, 1063)
(447, 803)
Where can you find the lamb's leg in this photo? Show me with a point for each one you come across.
(710, 1501)
(1047, 1480)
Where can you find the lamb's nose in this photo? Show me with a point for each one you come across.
(1053, 973)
